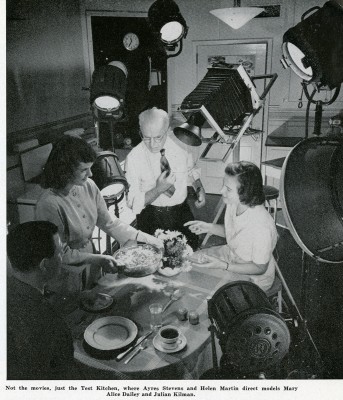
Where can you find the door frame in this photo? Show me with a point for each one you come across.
(87, 37)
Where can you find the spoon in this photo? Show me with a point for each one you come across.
(142, 346)
(176, 295)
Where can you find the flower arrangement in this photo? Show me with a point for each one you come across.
(176, 249)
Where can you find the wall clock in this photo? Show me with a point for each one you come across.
(131, 41)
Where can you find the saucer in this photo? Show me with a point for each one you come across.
(157, 344)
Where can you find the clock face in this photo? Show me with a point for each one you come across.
(131, 41)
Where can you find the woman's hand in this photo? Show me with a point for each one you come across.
(199, 227)
(105, 262)
(206, 261)
(149, 239)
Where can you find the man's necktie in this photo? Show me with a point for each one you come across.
(166, 167)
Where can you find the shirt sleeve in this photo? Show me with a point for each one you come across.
(262, 246)
(136, 198)
(50, 211)
(194, 172)
(112, 225)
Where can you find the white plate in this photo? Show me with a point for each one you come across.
(157, 344)
(110, 333)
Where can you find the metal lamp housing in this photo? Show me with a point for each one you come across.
(314, 47)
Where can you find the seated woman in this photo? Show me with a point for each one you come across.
(74, 203)
(249, 230)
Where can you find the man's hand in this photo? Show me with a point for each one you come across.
(163, 182)
(201, 198)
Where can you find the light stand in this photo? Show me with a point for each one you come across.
(107, 95)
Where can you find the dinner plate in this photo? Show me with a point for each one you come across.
(100, 303)
(157, 344)
(110, 333)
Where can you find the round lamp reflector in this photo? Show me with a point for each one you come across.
(107, 103)
(113, 190)
(172, 32)
(295, 57)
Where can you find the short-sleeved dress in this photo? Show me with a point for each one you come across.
(250, 237)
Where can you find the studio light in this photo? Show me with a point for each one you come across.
(107, 96)
(110, 179)
(246, 327)
(313, 202)
(314, 47)
(108, 89)
(167, 23)
(237, 16)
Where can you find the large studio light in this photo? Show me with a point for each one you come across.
(313, 201)
(167, 22)
(108, 89)
(314, 47)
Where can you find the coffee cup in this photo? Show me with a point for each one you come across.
(169, 337)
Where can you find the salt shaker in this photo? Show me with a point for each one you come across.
(182, 314)
(193, 317)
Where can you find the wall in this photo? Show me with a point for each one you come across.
(45, 66)
(48, 63)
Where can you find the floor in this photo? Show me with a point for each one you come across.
(322, 311)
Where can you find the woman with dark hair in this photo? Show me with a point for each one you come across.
(74, 203)
(249, 230)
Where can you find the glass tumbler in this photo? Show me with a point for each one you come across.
(156, 316)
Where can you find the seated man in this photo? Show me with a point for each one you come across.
(158, 171)
(39, 344)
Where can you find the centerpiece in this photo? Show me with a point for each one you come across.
(176, 252)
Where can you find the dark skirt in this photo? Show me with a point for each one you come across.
(172, 218)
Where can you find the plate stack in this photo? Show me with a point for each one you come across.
(106, 337)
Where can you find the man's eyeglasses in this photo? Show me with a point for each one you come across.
(157, 139)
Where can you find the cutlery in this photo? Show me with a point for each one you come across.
(104, 295)
(121, 355)
(176, 295)
(142, 346)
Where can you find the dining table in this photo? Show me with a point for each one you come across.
(131, 299)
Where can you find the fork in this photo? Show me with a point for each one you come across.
(142, 346)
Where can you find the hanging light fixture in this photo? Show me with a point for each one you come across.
(237, 16)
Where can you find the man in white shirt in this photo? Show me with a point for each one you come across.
(159, 198)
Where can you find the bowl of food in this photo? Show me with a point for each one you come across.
(138, 260)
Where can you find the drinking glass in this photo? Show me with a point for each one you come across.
(155, 316)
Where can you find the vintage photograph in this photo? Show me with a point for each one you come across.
(174, 198)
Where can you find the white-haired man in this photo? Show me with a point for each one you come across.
(159, 171)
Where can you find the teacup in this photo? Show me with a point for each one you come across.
(169, 337)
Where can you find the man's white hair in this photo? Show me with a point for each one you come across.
(150, 117)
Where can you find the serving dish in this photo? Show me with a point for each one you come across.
(138, 260)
